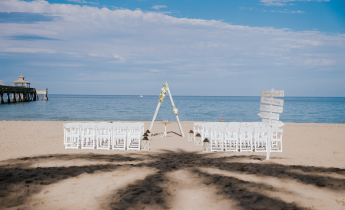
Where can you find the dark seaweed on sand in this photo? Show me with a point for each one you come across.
(18, 180)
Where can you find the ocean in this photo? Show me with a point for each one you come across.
(190, 108)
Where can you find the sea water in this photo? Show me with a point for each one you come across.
(190, 108)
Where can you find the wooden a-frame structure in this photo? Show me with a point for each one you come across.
(165, 90)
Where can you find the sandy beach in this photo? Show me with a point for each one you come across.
(37, 172)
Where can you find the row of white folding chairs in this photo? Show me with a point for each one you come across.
(200, 125)
(116, 136)
(245, 139)
(201, 128)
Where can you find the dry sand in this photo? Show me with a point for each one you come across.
(36, 172)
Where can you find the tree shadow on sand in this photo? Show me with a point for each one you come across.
(18, 181)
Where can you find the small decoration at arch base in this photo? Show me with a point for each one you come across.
(197, 140)
(145, 144)
(191, 135)
(207, 146)
(148, 133)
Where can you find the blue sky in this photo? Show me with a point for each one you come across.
(122, 47)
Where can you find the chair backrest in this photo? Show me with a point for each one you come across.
(246, 131)
(104, 126)
(276, 131)
(134, 128)
(72, 125)
(208, 128)
(119, 129)
(260, 130)
(219, 132)
(88, 126)
(232, 130)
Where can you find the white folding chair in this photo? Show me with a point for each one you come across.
(246, 139)
(134, 137)
(88, 134)
(141, 125)
(260, 139)
(217, 139)
(277, 140)
(207, 131)
(71, 135)
(231, 139)
(198, 129)
(104, 135)
(119, 137)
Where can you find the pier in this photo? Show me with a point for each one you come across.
(21, 92)
(12, 94)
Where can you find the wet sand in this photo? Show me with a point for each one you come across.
(36, 172)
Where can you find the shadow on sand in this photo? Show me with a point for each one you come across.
(19, 180)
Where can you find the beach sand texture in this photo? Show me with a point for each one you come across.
(36, 172)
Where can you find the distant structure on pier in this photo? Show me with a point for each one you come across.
(21, 82)
(21, 91)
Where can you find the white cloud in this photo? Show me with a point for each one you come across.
(286, 11)
(158, 7)
(249, 8)
(83, 2)
(319, 62)
(154, 70)
(124, 42)
(58, 64)
(28, 50)
(98, 54)
(118, 57)
(284, 2)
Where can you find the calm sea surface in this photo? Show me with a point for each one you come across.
(191, 108)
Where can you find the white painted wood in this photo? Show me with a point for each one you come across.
(273, 122)
(267, 108)
(270, 115)
(41, 92)
(154, 116)
(272, 101)
(273, 93)
(172, 103)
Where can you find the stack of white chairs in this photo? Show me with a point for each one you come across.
(277, 140)
(88, 136)
(217, 139)
(246, 139)
(134, 137)
(231, 139)
(119, 137)
(260, 139)
(199, 129)
(71, 135)
(104, 135)
(239, 136)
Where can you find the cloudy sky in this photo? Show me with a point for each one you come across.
(216, 48)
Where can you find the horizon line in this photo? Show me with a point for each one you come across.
(194, 95)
